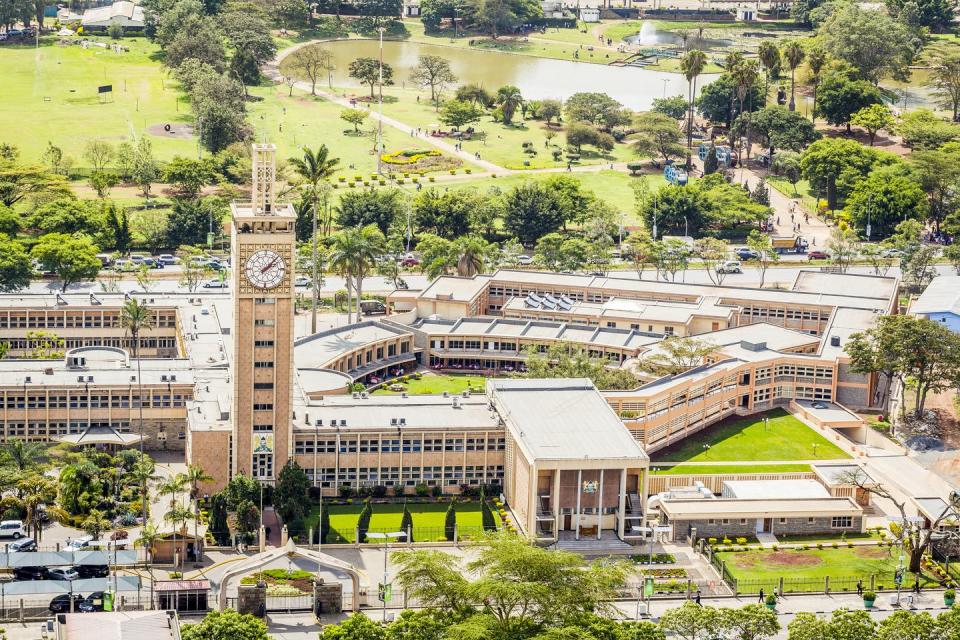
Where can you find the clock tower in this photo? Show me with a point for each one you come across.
(263, 244)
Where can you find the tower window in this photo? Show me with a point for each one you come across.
(263, 364)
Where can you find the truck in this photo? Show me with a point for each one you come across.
(789, 244)
(372, 307)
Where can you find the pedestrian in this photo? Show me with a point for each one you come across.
(778, 221)
(697, 599)
(478, 155)
(791, 213)
(916, 585)
(418, 98)
(760, 597)
(859, 587)
(806, 218)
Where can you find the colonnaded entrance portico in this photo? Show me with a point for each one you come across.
(259, 560)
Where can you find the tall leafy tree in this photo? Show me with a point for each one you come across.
(769, 56)
(692, 65)
(793, 53)
(72, 258)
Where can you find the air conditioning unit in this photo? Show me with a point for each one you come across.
(343, 422)
(403, 421)
(319, 422)
(364, 395)
(28, 379)
(446, 394)
(393, 422)
(163, 378)
(356, 395)
(173, 378)
(456, 402)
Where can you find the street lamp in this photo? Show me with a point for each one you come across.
(380, 120)
(385, 587)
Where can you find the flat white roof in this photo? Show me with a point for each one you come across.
(942, 295)
(318, 350)
(774, 489)
(563, 419)
(736, 508)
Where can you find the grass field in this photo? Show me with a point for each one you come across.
(843, 565)
(428, 519)
(433, 384)
(688, 469)
(50, 94)
(748, 439)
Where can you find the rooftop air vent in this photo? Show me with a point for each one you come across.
(834, 341)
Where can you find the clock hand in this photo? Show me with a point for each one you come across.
(270, 266)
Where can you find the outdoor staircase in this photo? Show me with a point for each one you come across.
(608, 543)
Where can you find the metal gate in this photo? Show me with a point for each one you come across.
(289, 604)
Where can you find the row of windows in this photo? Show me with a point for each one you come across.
(376, 354)
(789, 314)
(406, 476)
(84, 400)
(405, 445)
(91, 320)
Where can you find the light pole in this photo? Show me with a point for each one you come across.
(380, 120)
(654, 217)
(385, 590)
(665, 81)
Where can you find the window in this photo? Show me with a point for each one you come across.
(841, 522)
(743, 521)
(783, 521)
(262, 322)
(264, 301)
(263, 364)
(263, 343)
(263, 385)
(263, 406)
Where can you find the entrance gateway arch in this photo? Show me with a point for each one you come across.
(256, 561)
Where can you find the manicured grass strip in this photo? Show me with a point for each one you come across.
(428, 519)
(433, 384)
(747, 439)
(713, 469)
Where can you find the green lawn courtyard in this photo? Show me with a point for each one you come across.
(751, 439)
(689, 469)
(431, 384)
(428, 519)
(805, 570)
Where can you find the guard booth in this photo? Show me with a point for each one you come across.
(183, 596)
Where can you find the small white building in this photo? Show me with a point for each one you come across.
(590, 14)
(746, 14)
(124, 13)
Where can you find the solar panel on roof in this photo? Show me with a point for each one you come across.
(549, 298)
(532, 301)
(564, 298)
(566, 306)
(549, 305)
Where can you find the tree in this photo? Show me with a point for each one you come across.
(692, 622)
(675, 355)
(935, 14)
(770, 60)
(72, 258)
(884, 201)
(21, 181)
(68, 216)
(712, 252)
(718, 101)
(675, 209)
(459, 113)
(354, 252)
(380, 11)
(367, 71)
(752, 622)
(871, 41)
(248, 33)
(793, 53)
(15, 266)
(314, 168)
(902, 625)
(922, 129)
(406, 522)
(691, 65)
(564, 360)
(95, 523)
(778, 128)
(193, 271)
(118, 224)
(474, 93)
(843, 625)
(452, 213)
(531, 210)
(311, 61)
(874, 118)
(842, 246)
(324, 526)
(188, 176)
(144, 170)
(597, 109)
(762, 245)
(487, 520)
(201, 41)
(290, 495)
(944, 80)
(816, 60)
(657, 135)
(839, 97)
(356, 627)
(54, 158)
(219, 105)
(550, 109)
(916, 258)
(674, 106)
(190, 220)
(372, 206)
(99, 154)
(579, 134)
(450, 522)
(827, 161)
(433, 72)
(508, 99)
(354, 117)
(495, 16)
(363, 521)
(226, 625)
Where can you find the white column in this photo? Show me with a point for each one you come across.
(600, 507)
(621, 509)
(576, 513)
(555, 500)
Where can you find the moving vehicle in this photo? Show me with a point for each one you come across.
(301, 281)
(818, 255)
(62, 573)
(215, 284)
(409, 261)
(29, 573)
(61, 603)
(745, 253)
(23, 544)
(788, 244)
(12, 529)
(730, 266)
(168, 259)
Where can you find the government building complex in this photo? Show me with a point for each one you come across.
(227, 378)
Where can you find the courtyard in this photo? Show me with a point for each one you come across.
(431, 384)
(428, 519)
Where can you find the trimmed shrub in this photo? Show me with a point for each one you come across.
(450, 521)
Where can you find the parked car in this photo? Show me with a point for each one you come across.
(79, 543)
(730, 266)
(891, 253)
(745, 253)
(93, 570)
(29, 573)
(62, 573)
(524, 260)
(215, 265)
(12, 529)
(409, 261)
(93, 602)
(215, 284)
(301, 281)
(61, 603)
(168, 259)
(23, 544)
(816, 254)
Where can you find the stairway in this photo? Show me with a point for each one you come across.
(607, 544)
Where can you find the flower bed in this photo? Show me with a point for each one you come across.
(408, 156)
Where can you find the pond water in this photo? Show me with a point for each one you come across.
(650, 36)
(537, 78)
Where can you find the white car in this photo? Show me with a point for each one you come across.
(730, 266)
(167, 259)
(12, 529)
(79, 543)
(525, 260)
(63, 573)
(301, 281)
(215, 284)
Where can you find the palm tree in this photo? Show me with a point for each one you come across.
(173, 487)
(342, 262)
(137, 317)
(770, 59)
(733, 61)
(149, 537)
(746, 76)
(794, 53)
(816, 59)
(178, 514)
(370, 245)
(314, 168)
(195, 475)
(692, 65)
(23, 455)
(95, 523)
(38, 491)
(144, 472)
(509, 98)
(471, 255)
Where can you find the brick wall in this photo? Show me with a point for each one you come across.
(735, 528)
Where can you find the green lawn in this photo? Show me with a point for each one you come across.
(50, 94)
(804, 570)
(687, 469)
(428, 519)
(431, 384)
(748, 439)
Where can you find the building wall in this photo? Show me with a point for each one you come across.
(745, 528)
(947, 319)
(211, 449)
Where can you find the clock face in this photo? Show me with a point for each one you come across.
(265, 269)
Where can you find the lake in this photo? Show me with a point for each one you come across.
(537, 78)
